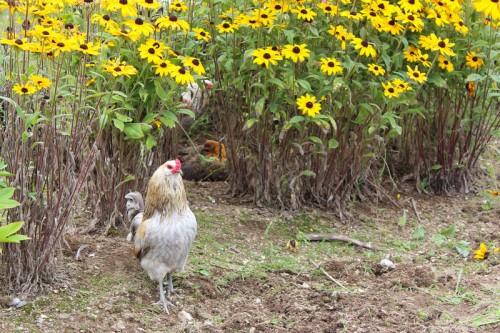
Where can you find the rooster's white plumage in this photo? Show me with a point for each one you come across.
(168, 227)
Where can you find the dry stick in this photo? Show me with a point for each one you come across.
(328, 275)
(416, 211)
(385, 194)
(334, 237)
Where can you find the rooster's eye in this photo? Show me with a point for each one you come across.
(169, 167)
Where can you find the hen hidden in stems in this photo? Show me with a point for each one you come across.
(195, 99)
(168, 228)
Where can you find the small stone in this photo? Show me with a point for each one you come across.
(20, 304)
(387, 263)
(119, 326)
(258, 301)
(305, 285)
(252, 330)
(185, 316)
(15, 301)
(207, 323)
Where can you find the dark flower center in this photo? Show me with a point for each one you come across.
(331, 64)
(60, 44)
(445, 62)
(411, 17)
(264, 16)
(415, 74)
(375, 68)
(296, 49)
(172, 18)
(139, 21)
(266, 56)
(196, 62)
(277, 7)
(203, 33)
(84, 47)
(45, 33)
(69, 26)
(303, 11)
(106, 17)
(156, 45)
(163, 65)
(123, 2)
(19, 42)
(88, 1)
(392, 22)
(252, 21)
(328, 8)
(353, 13)
(474, 59)
(373, 14)
(24, 90)
(442, 44)
(364, 43)
(411, 2)
(149, 1)
(274, 48)
(182, 71)
(391, 90)
(226, 25)
(117, 69)
(151, 50)
(381, 6)
(309, 105)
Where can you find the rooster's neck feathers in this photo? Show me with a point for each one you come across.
(166, 195)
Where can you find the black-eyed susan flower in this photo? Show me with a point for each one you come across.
(304, 13)
(89, 83)
(152, 50)
(296, 52)
(266, 56)
(444, 47)
(226, 27)
(265, 16)
(90, 48)
(445, 63)
(412, 53)
(415, 23)
(19, 43)
(149, 4)
(392, 26)
(24, 89)
(389, 90)
(376, 69)
(493, 192)
(308, 105)
(292, 245)
(145, 28)
(416, 75)
(471, 88)
(178, 6)
(194, 64)
(412, 6)
(42, 32)
(352, 15)
(473, 60)
(173, 22)
(330, 66)
(62, 45)
(126, 7)
(104, 20)
(401, 85)
(119, 68)
(364, 47)
(133, 35)
(429, 42)
(488, 8)
(439, 18)
(250, 21)
(341, 34)
(164, 67)
(182, 76)
(279, 6)
(40, 82)
(423, 59)
(201, 34)
(328, 8)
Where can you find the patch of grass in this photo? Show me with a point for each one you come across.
(491, 317)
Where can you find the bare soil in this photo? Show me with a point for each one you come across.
(241, 277)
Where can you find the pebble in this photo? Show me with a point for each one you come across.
(305, 286)
(258, 301)
(387, 263)
(119, 326)
(252, 330)
(185, 316)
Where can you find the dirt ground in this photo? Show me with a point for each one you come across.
(242, 278)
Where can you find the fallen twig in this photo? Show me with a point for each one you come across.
(334, 237)
(328, 275)
(79, 252)
(416, 211)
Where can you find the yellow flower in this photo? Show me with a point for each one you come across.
(119, 68)
(133, 35)
(389, 90)
(330, 66)
(473, 61)
(165, 67)
(140, 25)
(152, 50)
(178, 6)
(19, 43)
(89, 83)
(40, 82)
(412, 54)
(376, 69)
(488, 8)
(149, 4)
(127, 7)
(88, 48)
(24, 89)
(341, 34)
(173, 22)
(493, 193)
(307, 104)
(328, 8)
(266, 56)
(352, 15)
(201, 34)
(482, 253)
(296, 52)
(104, 21)
(416, 75)
(304, 13)
(401, 85)
(182, 76)
(195, 64)
(225, 27)
(445, 63)
(364, 47)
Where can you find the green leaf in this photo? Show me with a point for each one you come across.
(5, 198)
(438, 239)
(463, 248)
(296, 119)
(127, 179)
(448, 232)
(250, 122)
(277, 82)
(122, 117)
(13, 239)
(402, 220)
(304, 84)
(259, 106)
(5, 174)
(333, 144)
(186, 112)
(150, 142)
(436, 167)
(307, 173)
(474, 77)
(419, 233)
(119, 124)
(133, 131)
(160, 91)
(10, 229)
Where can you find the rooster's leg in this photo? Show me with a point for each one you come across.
(170, 286)
(163, 300)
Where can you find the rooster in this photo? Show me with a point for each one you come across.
(168, 227)
(196, 99)
(135, 210)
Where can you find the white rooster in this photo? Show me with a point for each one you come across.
(196, 99)
(168, 227)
